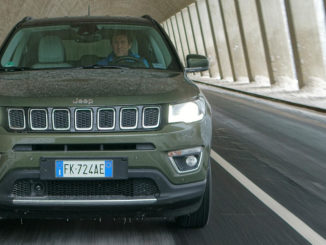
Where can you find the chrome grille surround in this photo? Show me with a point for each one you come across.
(76, 119)
(54, 119)
(98, 118)
(11, 124)
(122, 118)
(158, 117)
(38, 118)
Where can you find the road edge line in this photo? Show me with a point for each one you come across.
(297, 224)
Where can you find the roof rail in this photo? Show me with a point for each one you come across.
(146, 16)
(150, 18)
(25, 19)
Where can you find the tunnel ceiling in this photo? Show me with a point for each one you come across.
(11, 11)
(160, 10)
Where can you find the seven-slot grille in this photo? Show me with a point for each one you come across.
(84, 119)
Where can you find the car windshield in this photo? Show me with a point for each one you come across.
(88, 45)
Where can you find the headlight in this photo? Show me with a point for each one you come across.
(187, 112)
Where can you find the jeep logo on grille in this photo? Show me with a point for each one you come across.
(83, 101)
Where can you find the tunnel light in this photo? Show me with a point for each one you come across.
(187, 112)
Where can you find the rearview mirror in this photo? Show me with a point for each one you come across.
(196, 63)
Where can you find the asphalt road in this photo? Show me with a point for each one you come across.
(281, 150)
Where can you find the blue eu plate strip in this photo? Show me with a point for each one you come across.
(59, 168)
(108, 168)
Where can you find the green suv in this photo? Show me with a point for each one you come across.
(98, 117)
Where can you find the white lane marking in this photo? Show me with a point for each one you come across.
(303, 229)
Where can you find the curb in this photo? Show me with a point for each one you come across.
(317, 109)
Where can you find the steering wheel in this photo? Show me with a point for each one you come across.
(128, 60)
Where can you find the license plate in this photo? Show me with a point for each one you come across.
(84, 168)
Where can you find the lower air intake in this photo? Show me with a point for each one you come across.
(86, 189)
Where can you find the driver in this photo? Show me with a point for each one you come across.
(121, 44)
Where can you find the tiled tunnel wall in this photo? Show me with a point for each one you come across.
(278, 43)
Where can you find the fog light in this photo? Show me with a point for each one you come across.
(187, 160)
(191, 161)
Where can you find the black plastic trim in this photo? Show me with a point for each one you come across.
(83, 147)
(174, 200)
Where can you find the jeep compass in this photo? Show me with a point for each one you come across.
(88, 131)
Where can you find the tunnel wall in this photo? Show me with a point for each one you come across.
(267, 43)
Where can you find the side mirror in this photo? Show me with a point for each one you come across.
(196, 63)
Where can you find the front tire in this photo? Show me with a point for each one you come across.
(199, 218)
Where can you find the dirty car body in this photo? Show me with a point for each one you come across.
(78, 139)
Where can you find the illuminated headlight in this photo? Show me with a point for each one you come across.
(187, 112)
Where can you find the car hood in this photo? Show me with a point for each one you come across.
(94, 87)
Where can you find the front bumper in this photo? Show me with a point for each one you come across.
(173, 200)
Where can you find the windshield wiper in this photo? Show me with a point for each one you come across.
(15, 68)
(103, 67)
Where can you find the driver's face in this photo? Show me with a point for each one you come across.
(120, 45)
